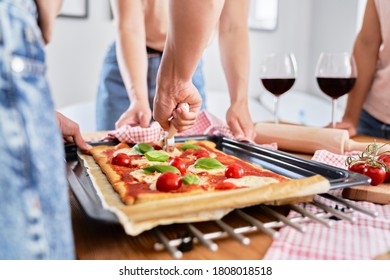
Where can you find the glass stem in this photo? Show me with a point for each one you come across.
(276, 109)
(334, 103)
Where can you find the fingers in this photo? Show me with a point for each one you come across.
(163, 111)
(144, 120)
(249, 131)
(71, 132)
(347, 126)
(80, 142)
(183, 119)
(166, 105)
(137, 115)
(236, 129)
(240, 123)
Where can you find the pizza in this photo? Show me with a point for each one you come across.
(144, 172)
(145, 186)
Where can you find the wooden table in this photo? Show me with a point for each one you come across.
(100, 241)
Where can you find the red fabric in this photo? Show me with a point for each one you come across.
(206, 124)
(365, 239)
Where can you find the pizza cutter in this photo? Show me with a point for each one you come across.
(169, 139)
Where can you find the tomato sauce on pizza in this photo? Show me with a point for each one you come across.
(144, 172)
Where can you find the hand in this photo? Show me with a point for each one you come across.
(166, 102)
(71, 132)
(138, 114)
(239, 121)
(347, 126)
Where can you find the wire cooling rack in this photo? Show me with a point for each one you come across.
(325, 213)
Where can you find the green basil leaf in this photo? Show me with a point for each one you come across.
(208, 163)
(190, 179)
(160, 169)
(157, 156)
(190, 146)
(142, 148)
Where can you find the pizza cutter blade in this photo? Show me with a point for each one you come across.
(169, 139)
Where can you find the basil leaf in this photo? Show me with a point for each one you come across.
(142, 148)
(157, 156)
(190, 146)
(208, 163)
(190, 179)
(160, 169)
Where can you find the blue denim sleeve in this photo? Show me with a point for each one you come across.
(34, 204)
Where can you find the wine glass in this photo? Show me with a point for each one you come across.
(336, 75)
(277, 74)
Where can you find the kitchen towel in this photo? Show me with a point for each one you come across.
(365, 239)
(206, 124)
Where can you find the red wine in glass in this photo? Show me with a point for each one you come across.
(278, 86)
(277, 74)
(336, 87)
(336, 75)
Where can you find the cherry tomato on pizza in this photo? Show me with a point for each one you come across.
(225, 186)
(201, 154)
(168, 181)
(179, 164)
(234, 171)
(121, 159)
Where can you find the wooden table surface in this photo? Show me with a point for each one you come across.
(102, 241)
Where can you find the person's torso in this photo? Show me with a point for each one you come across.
(378, 99)
(156, 23)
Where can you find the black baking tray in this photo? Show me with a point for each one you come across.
(277, 161)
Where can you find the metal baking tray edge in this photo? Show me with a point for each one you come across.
(274, 160)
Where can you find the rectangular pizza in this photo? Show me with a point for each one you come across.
(194, 182)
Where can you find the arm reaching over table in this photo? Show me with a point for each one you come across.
(368, 102)
(234, 49)
(190, 28)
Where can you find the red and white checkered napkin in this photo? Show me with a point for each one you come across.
(206, 124)
(365, 239)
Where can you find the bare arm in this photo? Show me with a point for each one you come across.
(191, 25)
(234, 48)
(48, 11)
(366, 50)
(132, 60)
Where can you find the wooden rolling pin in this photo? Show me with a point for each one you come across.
(304, 139)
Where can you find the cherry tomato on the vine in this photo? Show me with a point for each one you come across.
(234, 171)
(385, 158)
(376, 173)
(168, 181)
(121, 159)
(359, 167)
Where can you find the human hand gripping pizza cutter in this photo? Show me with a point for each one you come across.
(169, 139)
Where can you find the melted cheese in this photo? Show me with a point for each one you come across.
(141, 177)
(127, 151)
(175, 153)
(143, 162)
(252, 181)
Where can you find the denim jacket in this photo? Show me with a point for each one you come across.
(34, 203)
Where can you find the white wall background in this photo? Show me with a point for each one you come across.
(305, 27)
